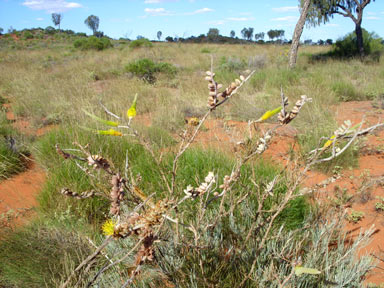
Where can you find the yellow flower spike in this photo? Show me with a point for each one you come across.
(132, 110)
(108, 227)
(269, 114)
(329, 142)
(110, 132)
(106, 122)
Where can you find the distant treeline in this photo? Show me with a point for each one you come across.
(213, 36)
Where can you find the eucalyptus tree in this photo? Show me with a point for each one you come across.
(321, 11)
(92, 22)
(56, 19)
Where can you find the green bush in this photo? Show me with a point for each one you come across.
(27, 35)
(347, 46)
(92, 43)
(147, 69)
(140, 43)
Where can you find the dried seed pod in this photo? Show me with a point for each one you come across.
(285, 119)
(242, 78)
(84, 195)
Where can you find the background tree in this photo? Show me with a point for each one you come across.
(159, 34)
(233, 34)
(271, 34)
(308, 42)
(1, 31)
(56, 19)
(297, 33)
(213, 34)
(321, 11)
(250, 33)
(259, 36)
(280, 34)
(92, 22)
(244, 33)
(169, 39)
(329, 41)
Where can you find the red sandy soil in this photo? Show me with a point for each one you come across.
(18, 194)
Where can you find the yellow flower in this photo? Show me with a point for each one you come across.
(111, 132)
(329, 142)
(132, 110)
(108, 227)
(269, 114)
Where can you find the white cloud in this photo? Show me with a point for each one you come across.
(286, 9)
(200, 11)
(372, 18)
(157, 1)
(331, 25)
(40, 19)
(157, 12)
(241, 19)
(217, 22)
(286, 18)
(51, 6)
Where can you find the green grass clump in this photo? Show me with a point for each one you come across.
(41, 254)
(345, 91)
(143, 42)
(147, 69)
(92, 43)
(11, 154)
(64, 173)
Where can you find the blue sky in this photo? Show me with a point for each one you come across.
(182, 18)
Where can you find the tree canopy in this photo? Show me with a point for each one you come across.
(321, 11)
(92, 22)
(56, 19)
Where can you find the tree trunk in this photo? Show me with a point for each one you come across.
(297, 34)
(359, 39)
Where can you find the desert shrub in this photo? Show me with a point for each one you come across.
(143, 42)
(147, 69)
(345, 91)
(232, 64)
(92, 43)
(27, 35)
(347, 47)
(50, 30)
(257, 61)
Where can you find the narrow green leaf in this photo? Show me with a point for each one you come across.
(299, 270)
(106, 122)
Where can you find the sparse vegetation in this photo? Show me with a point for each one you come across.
(176, 72)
